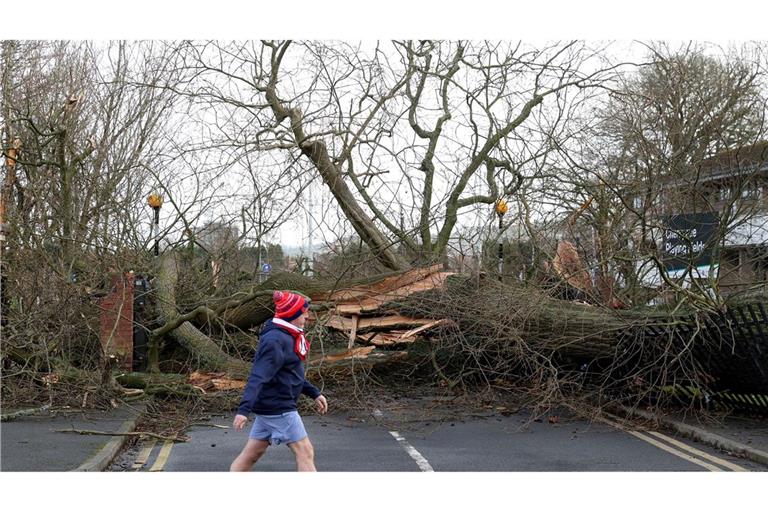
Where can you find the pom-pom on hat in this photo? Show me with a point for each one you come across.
(289, 306)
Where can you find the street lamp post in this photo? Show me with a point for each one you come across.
(501, 208)
(156, 202)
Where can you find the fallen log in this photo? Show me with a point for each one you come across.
(208, 354)
(256, 306)
(372, 288)
(137, 380)
(507, 317)
(374, 323)
(214, 381)
(259, 310)
(368, 304)
(254, 312)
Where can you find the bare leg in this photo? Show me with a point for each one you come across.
(252, 452)
(305, 455)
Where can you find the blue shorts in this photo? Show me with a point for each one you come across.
(279, 428)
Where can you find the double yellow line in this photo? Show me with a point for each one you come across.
(682, 450)
(687, 452)
(161, 459)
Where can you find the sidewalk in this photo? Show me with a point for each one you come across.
(31, 443)
(746, 437)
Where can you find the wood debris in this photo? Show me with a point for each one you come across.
(568, 264)
(207, 382)
(394, 337)
(361, 312)
(370, 303)
(355, 353)
(382, 322)
(381, 339)
(345, 360)
(385, 285)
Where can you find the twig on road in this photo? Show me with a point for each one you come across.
(101, 433)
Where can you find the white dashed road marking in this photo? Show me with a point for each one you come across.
(415, 455)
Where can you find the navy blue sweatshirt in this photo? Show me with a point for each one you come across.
(277, 377)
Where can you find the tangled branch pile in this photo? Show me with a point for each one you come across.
(509, 335)
(468, 331)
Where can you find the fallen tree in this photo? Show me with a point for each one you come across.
(248, 309)
(463, 330)
(207, 354)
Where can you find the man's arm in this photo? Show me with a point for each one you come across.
(268, 360)
(310, 390)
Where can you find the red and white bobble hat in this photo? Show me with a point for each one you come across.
(289, 306)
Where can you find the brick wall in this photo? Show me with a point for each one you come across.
(116, 322)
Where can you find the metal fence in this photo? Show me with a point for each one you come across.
(729, 351)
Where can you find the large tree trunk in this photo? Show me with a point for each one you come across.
(317, 152)
(250, 313)
(255, 312)
(208, 354)
(251, 308)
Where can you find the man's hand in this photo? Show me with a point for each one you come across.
(322, 404)
(239, 422)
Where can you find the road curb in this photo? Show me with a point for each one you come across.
(704, 436)
(107, 453)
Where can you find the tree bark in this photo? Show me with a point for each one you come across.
(317, 152)
(208, 354)
(257, 311)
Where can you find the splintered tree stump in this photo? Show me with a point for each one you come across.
(251, 308)
(377, 289)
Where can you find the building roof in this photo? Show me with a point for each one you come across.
(742, 160)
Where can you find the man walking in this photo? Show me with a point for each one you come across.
(273, 389)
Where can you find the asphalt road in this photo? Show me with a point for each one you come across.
(492, 443)
(34, 443)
